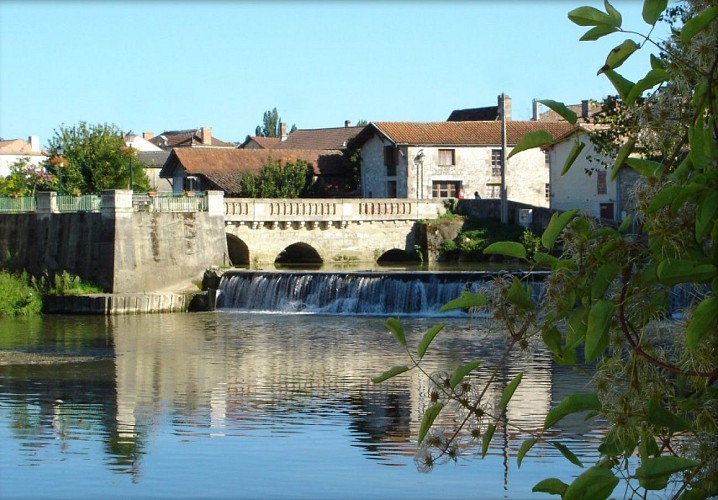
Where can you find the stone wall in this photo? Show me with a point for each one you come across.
(119, 249)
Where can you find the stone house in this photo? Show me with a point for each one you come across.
(17, 149)
(318, 138)
(453, 159)
(588, 185)
(190, 138)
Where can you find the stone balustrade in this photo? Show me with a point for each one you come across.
(260, 210)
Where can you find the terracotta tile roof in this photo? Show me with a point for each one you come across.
(225, 167)
(478, 133)
(18, 147)
(320, 138)
(263, 142)
(186, 138)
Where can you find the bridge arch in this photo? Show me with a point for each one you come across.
(299, 253)
(397, 255)
(237, 250)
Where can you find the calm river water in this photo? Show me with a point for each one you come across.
(239, 405)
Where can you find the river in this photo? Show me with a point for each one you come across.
(232, 404)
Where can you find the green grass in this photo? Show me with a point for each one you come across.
(17, 296)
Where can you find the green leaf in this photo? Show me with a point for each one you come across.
(574, 403)
(428, 419)
(657, 62)
(599, 319)
(552, 486)
(596, 483)
(623, 153)
(561, 109)
(622, 85)
(648, 447)
(657, 415)
(653, 77)
(696, 24)
(672, 272)
(557, 223)
(647, 168)
(509, 391)
(524, 449)
(552, 338)
(466, 301)
(427, 338)
(544, 259)
(702, 322)
(571, 158)
(392, 372)
(462, 371)
(625, 224)
(568, 454)
(662, 466)
(395, 327)
(532, 140)
(598, 32)
(613, 14)
(507, 248)
(618, 55)
(520, 296)
(603, 278)
(652, 10)
(706, 215)
(663, 197)
(590, 16)
(486, 439)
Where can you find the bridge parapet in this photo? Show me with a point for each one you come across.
(259, 210)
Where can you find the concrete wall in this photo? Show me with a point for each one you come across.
(119, 249)
(526, 173)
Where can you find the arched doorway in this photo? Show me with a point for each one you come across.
(396, 255)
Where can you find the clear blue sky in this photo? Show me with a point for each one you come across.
(164, 65)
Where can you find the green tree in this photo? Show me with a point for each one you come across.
(270, 125)
(95, 157)
(25, 179)
(607, 299)
(277, 179)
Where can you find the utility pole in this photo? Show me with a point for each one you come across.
(504, 154)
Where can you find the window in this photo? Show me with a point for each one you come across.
(496, 162)
(446, 157)
(493, 191)
(391, 189)
(547, 159)
(601, 183)
(547, 192)
(391, 158)
(445, 189)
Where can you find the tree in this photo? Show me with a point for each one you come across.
(95, 157)
(607, 298)
(277, 179)
(270, 125)
(25, 179)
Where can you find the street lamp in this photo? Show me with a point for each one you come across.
(58, 154)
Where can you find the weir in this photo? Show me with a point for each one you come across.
(363, 293)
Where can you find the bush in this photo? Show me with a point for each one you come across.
(65, 284)
(17, 297)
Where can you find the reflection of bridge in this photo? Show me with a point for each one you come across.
(320, 230)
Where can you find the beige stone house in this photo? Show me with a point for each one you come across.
(453, 159)
(14, 150)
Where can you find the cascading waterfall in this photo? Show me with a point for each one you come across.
(366, 293)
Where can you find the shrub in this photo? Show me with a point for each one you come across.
(17, 297)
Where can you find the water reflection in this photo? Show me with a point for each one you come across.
(225, 384)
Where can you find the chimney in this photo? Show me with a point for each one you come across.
(282, 131)
(536, 110)
(206, 136)
(34, 141)
(347, 123)
(585, 104)
(148, 135)
(505, 106)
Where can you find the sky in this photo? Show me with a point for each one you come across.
(173, 65)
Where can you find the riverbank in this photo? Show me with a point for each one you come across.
(127, 303)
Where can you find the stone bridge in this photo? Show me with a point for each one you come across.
(313, 231)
